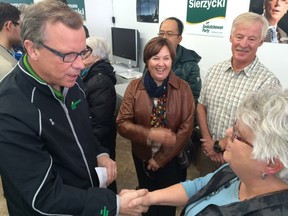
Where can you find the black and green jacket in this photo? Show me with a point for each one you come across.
(47, 149)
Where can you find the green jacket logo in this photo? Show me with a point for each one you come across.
(74, 104)
(104, 211)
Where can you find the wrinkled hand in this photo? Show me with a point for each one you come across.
(208, 149)
(163, 135)
(111, 166)
(129, 208)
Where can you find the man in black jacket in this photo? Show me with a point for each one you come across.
(48, 153)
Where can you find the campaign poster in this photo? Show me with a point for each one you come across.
(18, 3)
(275, 11)
(206, 17)
(78, 6)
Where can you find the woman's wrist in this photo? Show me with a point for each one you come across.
(149, 140)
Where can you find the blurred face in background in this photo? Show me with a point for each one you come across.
(169, 30)
(90, 60)
(15, 36)
(274, 10)
(159, 65)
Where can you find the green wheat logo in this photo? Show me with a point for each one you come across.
(74, 104)
(104, 211)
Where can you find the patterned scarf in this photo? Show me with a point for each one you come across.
(159, 96)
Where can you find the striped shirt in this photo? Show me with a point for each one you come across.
(223, 90)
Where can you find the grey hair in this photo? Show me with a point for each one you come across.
(249, 19)
(99, 46)
(36, 16)
(265, 113)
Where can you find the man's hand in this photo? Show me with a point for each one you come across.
(208, 149)
(129, 208)
(105, 161)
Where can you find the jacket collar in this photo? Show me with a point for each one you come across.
(32, 73)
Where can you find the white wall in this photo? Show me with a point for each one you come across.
(212, 49)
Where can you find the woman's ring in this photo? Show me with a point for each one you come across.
(204, 152)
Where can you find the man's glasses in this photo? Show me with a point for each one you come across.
(235, 136)
(167, 34)
(69, 57)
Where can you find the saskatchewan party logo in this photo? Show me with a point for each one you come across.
(206, 17)
(199, 11)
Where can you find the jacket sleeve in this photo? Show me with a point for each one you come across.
(29, 175)
(125, 119)
(101, 97)
(194, 80)
(184, 130)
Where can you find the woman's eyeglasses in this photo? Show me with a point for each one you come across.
(235, 136)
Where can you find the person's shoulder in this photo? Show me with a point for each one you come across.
(98, 78)
(261, 69)
(185, 54)
(15, 92)
(281, 32)
(219, 67)
(177, 82)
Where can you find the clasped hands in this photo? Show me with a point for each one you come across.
(208, 149)
(134, 202)
(166, 137)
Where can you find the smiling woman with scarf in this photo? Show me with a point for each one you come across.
(157, 116)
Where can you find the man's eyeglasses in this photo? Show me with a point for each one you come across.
(167, 34)
(235, 136)
(15, 23)
(69, 57)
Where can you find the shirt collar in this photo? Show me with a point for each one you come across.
(57, 93)
(248, 70)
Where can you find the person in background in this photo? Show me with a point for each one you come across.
(156, 114)
(186, 67)
(255, 180)
(99, 80)
(9, 36)
(227, 83)
(48, 153)
(274, 10)
(185, 64)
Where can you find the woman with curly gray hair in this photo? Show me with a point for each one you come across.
(255, 179)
